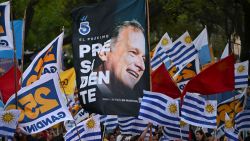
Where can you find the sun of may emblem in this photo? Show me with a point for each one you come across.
(228, 124)
(164, 41)
(91, 124)
(172, 108)
(188, 39)
(241, 69)
(182, 123)
(209, 108)
(7, 117)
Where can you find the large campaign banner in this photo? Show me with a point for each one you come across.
(42, 105)
(111, 56)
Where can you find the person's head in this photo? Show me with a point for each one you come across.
(209, 137)
(111, 137)
(126, 57)
(199, 135)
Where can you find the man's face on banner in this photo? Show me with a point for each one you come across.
(127, 56)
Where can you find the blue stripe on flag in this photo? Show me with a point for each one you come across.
(186, 58)
(241, 77)
(197, 114)
(198, 121)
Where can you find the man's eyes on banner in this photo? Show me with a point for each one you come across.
(32, 105)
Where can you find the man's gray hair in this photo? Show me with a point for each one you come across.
(123, 25)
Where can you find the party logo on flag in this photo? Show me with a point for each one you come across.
(47, 61)
(230, 106)
(42, 105)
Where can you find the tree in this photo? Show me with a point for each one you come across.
(45, 20)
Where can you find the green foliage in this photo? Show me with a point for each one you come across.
(46, 18)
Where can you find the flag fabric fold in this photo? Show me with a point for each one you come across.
(163, 83)
(217, 78)
(199, 112)
(7, 82)
(159, 109)
(88, 130)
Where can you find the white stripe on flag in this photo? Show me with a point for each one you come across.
(159, 109)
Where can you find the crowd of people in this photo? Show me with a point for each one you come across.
(56, 134)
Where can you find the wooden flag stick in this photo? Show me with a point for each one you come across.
(68, 102)
(14, 50)
(148, 41)
(23, 39)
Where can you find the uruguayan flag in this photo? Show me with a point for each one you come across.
(160, 55)
(159, 109)
(88, 130)
(182, 51)
(242, 120)
(8, 122)
(131, 125)
(241, 74)
(230, 132)
(199, 112)
(109, 121)
(172, 133)
(201, 44)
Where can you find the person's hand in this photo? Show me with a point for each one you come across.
(150, 124)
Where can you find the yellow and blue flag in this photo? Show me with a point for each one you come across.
(68, 81)
(47, 61)
(42, 105)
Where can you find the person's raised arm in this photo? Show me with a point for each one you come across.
(143, 135)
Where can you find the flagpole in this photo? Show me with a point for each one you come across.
(67, 102)
(14, 47)
(23, 38)
(148, 35)
(103, 134)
